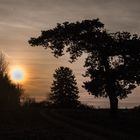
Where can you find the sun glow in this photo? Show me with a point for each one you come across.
(17, 74)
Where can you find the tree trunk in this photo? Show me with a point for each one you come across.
(110, 87)
(113, 105)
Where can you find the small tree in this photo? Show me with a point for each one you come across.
(64, 92)
(27, 101)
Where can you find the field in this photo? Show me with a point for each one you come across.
(69, 124)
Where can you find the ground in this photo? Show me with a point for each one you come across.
(69, 124)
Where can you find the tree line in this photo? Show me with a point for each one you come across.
(10, 93)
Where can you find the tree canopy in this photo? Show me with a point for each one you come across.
(113, 59)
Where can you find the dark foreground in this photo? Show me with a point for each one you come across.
(69, 124)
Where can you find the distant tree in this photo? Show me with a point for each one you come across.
(27, 101)
(64, 91)
(113, 59)
(10, 93)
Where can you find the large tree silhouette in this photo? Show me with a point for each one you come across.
(10, 93)
(64, 91)
(113, 59)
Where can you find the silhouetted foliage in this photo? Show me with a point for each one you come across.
(10, 93)
(64, 92)
(27, 101)
(113, 59)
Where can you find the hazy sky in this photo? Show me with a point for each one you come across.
(22, 19)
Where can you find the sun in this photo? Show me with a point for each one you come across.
(17, 74)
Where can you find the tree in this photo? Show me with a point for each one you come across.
(112, 58)
(27, 101)
(10, 93)
(64, 92)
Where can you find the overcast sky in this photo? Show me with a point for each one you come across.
(22, 19)
(116, 14)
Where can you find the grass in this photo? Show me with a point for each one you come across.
(64, 124)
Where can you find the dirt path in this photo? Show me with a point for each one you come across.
(83, 130)
(75, 129)
(57, 124)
